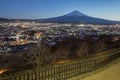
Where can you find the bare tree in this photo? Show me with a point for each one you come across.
(82, 50)
(99, 46)
(37, 55)
(62, 53)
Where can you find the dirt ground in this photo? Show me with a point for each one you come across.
(109, 72)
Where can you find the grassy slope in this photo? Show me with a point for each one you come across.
(109, 72)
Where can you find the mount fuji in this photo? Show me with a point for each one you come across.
(72, 17)
(78, 17)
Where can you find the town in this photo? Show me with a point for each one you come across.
(16, 36)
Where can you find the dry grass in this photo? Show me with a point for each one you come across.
(109, 72)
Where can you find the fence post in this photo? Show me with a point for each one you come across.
(95, 63)
(0, 77)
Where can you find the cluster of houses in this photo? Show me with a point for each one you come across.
(18, 42)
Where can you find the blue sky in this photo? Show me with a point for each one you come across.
(108, 9)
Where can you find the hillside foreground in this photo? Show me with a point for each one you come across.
(109, 72)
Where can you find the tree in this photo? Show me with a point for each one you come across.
(37, 56)
(99, 46)
(62, 53)
(82, 50)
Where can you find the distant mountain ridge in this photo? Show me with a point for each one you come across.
(72, 17)
(5, 20)
(78, 17)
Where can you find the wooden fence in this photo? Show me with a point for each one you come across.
(64, 71)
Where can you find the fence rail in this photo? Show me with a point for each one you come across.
(64, 71)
